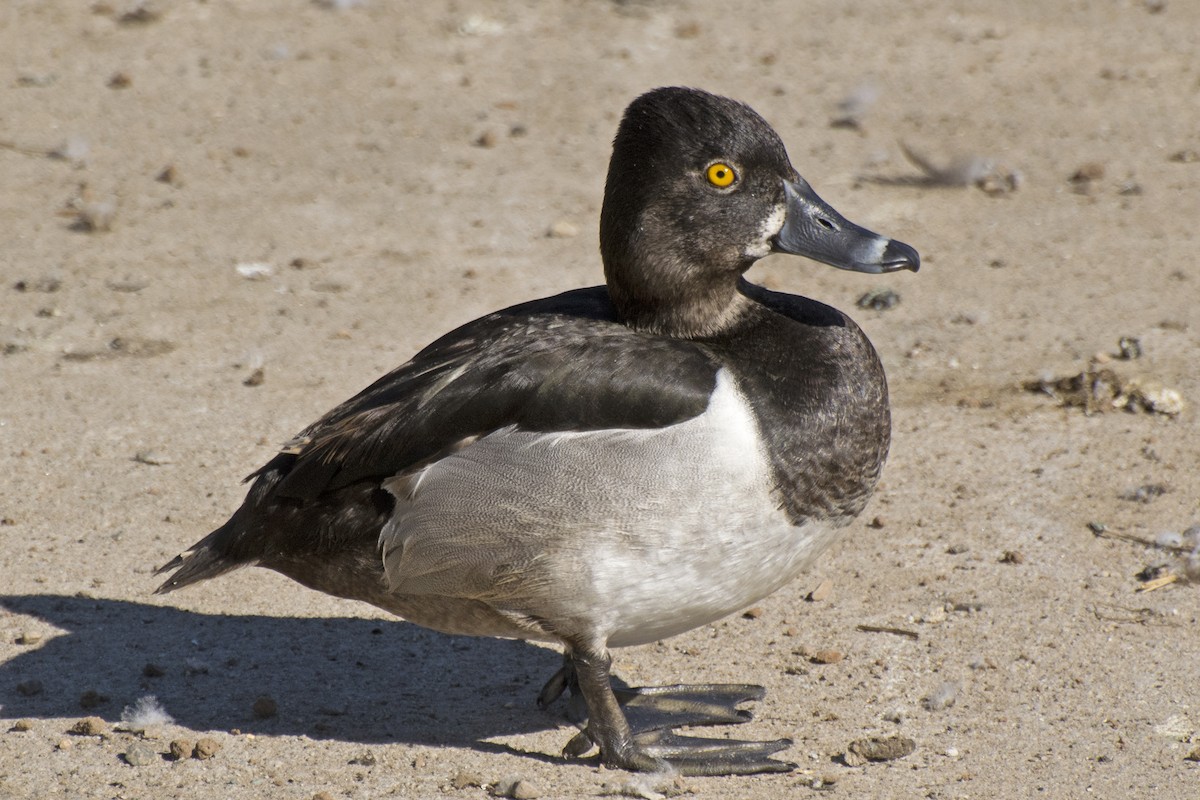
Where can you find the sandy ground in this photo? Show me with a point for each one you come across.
(388, 171)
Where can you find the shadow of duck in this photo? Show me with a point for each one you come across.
(349, 679)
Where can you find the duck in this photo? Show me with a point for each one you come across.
(613, 465)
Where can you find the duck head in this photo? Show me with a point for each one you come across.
(699, 188)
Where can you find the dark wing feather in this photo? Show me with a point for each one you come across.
(534, 366)
(562, 363)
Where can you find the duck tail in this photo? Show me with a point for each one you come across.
(206, 559)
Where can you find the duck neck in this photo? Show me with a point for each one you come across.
(668, 297)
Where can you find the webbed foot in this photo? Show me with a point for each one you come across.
(634, 727)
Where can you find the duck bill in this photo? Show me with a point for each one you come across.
(812, 228)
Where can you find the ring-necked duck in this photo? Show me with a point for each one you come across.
(616, 464)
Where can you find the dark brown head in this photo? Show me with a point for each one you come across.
(699, 188)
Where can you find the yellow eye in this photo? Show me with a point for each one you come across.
(721, 175)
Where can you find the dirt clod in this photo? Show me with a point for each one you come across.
(265, 707)
(876, 748)
(89, 726)
(206, 748)
(92, 699)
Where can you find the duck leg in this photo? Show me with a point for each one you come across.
(634, 727)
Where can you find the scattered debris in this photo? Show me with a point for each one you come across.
(648, 786)
(255, 378)
(45, 284)
(127, 285)
(140, 754)
(92, 699)
(1085, 178)
(1176, 727)
(1012, 557)
(479, 25)
(205, 749)
(465, 780)
(823, 656)
(255, 270)
(88, 213)
(1129, 348)
(265, 707)
(941, 698)
(150, 458)
(880, 298)
(1145, 493)
(140, 13)
(563, 229)
(887, 629)
(147, 712)
(967, 170)
(877, 748)
(1158, 583)
(823, 592)
(123, 346)
(516, 788)
(89, 726)
(1101, 389)
(853, 108)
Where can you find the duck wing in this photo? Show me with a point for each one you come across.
(562, 363)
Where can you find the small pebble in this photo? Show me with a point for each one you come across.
(180, 749)
(1129, 348)
(879, 299)
(515, 788)
(205, 749)
(153, 671)
(28, 638)
(140, 754)
(464, 779)
(823, 592)
(753, 613)
(1012, 557)
(322, 796)
(22, 725)
(826, 656)
(563, 230)
(89, 726)
(64, 744)
(365, 759)
(30, 688)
